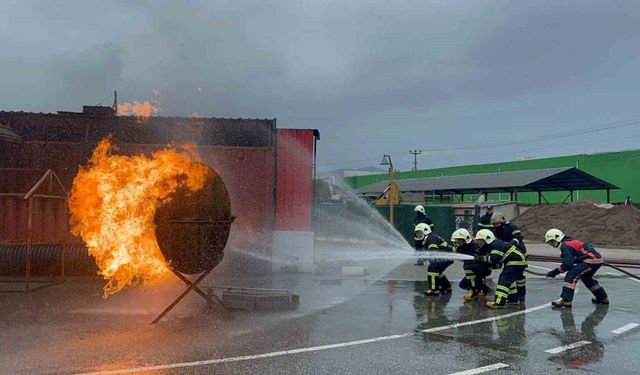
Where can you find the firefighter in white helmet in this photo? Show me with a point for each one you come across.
(513, 262)
(580, 260)
(429, 241)
(421, 216)
(475, 271)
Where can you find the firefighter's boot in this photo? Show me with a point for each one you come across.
(604, 301)
(561, 302)
(471, 295)
(494, 305)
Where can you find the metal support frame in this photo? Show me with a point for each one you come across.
(608, 195)
(541, 197)
(47, 177)
(569, 196)
(212, 301)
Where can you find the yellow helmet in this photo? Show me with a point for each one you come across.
(553, 234)
(461, 234)
(486, 235)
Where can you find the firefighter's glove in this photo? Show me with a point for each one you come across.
(553, 273)
(515, 242)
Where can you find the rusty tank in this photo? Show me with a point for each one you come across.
(192, 228)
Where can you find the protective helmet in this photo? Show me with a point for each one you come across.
(424, 228)
(461, 234)
(486, 235)
(419, 208)
(498, 218)
(553, 235)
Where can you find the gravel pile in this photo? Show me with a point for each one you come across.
(615, 226)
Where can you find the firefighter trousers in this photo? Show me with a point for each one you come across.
(584, 272)
(507, 284)
(435, 275)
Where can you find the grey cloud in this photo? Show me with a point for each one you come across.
(373, 76)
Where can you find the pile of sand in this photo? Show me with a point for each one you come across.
(615, 226)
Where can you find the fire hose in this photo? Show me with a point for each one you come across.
(616, 264)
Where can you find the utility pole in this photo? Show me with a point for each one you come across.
(415, 154)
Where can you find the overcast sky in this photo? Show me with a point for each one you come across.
(375, 77)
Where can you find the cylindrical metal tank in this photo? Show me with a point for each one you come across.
(192, 228)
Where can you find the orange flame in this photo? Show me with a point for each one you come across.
(142, 111)
(113, 203)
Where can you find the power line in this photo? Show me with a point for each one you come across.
(595, 129)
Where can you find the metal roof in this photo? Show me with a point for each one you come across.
(553, 179)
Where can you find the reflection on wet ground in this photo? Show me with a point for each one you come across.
(377, 329)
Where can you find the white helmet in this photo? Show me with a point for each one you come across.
(486, 235)
(498, 218)
(553, 235)
(419, 208)
(461, 234)
(424, 229)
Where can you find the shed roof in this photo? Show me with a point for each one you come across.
(553, 179)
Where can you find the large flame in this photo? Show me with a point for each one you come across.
(142, 110)
(113, 203)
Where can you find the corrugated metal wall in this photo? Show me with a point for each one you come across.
(619, 168)
(294, 191)
(248, 173)
(48, 220)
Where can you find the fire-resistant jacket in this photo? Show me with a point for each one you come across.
(575, 251)
(471, 248)
(484, 222)
(422, 218)
(509, 232)
(505, 253)
(433, 242)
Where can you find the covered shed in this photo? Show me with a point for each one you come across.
(567, 179)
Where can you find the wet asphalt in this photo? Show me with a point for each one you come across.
(345, 325)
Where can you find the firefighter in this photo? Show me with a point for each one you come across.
(513, 262)
(509, 233)
(421, 216)
(580, 260)
(475, 272)
(484, 222)
(436, 280)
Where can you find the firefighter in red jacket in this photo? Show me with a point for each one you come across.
(580, 260)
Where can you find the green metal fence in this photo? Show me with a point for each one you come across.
(404, 215)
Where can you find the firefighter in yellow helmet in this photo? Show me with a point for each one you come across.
(513, 262)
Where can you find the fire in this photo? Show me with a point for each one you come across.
(142, 111)
(113, 203)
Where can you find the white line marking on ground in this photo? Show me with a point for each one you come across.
(636, 280)
(480, 370)
(625, 328)
(540, 268)
(491, 319)
(561, 349)
(306, 350)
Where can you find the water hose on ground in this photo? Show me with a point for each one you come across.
(616, 264)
